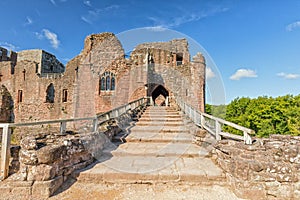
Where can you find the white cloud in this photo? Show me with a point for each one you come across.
(293, 26)
(209, 73)
(93, 15)
(53, 2)
(156, 28)
(288, 76)
(8, 46)
(184, 17)
(86, 20)
(87, 3)
(243, 73)
(28, 21)
(52, 37)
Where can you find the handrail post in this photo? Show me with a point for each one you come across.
(247, 138)
(63, 127)
(95, 125)
(202, 120)
(195, 116)
(218, 130)
(5, 151)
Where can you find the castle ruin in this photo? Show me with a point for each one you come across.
(36, 86)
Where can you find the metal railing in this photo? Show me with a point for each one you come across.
(214, 124)
(96, 121)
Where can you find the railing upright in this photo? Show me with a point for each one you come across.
(63, 127)
(218, 130)
(5, 150)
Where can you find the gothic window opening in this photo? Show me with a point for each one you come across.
(179, 59)
(65, 95)
(107, 82)
(113, 82)
(20, 96)
(50, 92)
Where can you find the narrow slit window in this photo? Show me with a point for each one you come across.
(20, 96)
(65, 95)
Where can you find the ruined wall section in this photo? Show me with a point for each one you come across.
(47, 63)
(198, 67)
(102, 53)
(268, 169)
(174, 47)
(5, 57)
(31, 94)
(7, 94)
(184, 79)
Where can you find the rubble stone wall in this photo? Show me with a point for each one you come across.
(268, 169)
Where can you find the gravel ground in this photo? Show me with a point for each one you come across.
(143, 191)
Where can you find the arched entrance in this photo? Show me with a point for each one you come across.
(6, 106)
(160, 96)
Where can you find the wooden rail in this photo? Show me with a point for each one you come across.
(96, 120)
(214, 124)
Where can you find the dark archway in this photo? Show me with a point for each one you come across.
(159, 95)
(6, 106)
(50, 93)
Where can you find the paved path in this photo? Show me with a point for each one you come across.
(158, 149)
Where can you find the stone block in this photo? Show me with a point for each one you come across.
(44, 189)
(256, 166)
(51, 153)
(42, 172)
(29, 143)
(28, 157)
(280, 191)
(23, 192)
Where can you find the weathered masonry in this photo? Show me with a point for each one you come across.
(36, 86)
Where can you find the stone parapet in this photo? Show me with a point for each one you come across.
(268, 169)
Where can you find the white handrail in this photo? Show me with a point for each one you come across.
(217, 130)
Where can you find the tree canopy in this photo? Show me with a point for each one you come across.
(265, 115)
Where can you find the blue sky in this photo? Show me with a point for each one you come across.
(255, 44)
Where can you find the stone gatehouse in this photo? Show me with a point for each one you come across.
(36, 86)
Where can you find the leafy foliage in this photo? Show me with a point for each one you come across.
(216, 110)
(265, 115)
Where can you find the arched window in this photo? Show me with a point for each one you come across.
(113, 82)
(50, 93)
(107, 81)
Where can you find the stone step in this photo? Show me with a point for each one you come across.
(152, 169)
(154, 137)
(156, 149)
(161, 112)
(159, 118)
(159, 129)
(159, 123)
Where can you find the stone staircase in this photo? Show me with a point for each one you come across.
(157, 149)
